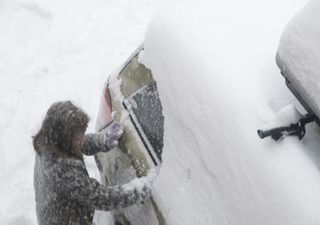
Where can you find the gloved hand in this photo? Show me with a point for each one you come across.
(142, 187)
(113, 133)
(147, 183)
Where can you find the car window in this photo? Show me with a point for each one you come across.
(147, 108)
(134, 76)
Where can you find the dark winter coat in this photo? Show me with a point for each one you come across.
(64, 192)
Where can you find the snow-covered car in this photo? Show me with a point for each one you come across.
(297, 58)
(218, 81)
(130, 97)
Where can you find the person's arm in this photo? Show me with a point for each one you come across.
(94, 143)
(102, 142)
(90, 192)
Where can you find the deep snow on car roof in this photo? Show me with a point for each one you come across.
(298, 54)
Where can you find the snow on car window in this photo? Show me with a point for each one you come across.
(148, 110)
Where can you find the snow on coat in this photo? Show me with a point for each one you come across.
(64, 192)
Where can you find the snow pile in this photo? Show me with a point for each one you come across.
(218, 82)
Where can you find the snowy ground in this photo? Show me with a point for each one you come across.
(216, 58)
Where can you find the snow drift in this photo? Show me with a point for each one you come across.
(218, 83)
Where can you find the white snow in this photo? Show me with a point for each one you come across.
(285, 117)
(147, 180)
(299, 55)
(218, 82)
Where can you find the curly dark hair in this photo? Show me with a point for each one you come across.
(62, 121)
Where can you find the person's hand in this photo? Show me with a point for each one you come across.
(145, 192)
(114, 132)
(142, 187)
(148, 183)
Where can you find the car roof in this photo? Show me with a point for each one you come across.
(298, 54)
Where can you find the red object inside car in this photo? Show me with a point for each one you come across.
(105, 115)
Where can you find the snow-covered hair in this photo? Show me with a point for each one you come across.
(62, 120)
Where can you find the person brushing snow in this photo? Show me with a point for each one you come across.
(64, 192)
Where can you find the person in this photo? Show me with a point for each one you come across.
(64, 192)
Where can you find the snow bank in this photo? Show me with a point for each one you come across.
(218, 82)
